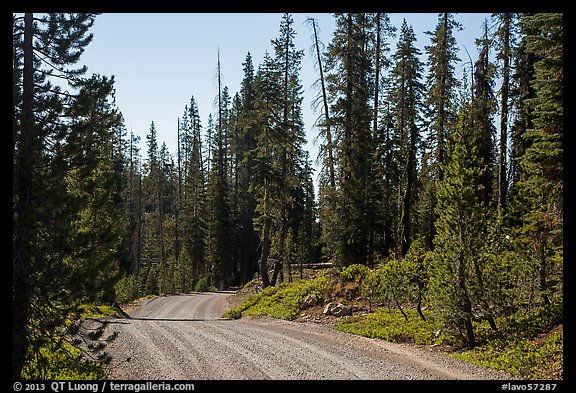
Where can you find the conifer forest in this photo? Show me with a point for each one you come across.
(453, 182)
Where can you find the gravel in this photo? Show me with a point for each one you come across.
(184, 338)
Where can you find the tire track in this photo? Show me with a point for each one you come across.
(183, 337)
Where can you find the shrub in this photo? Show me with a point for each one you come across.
(282, 301)
(390, 325)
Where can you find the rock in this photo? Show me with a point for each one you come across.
(340, 310)
(336, 309)
(311, 300)
(328, 309)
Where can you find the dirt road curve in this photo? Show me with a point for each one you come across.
(184, 337)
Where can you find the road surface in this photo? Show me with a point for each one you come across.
(184, 338)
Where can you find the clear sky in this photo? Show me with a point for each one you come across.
(161, 60)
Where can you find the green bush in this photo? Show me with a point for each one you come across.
(519, 357)
(353, 272)
(64, 362)
(390, 325)
(125, 290)
(202, 285)
(519, 348)
(282, 301)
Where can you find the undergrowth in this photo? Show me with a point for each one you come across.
(282, 301)
(390, 325)
(527, 345)
(59, 357)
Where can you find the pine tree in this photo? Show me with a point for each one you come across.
(350, 66)
(326, 154)
(458, 240)
(441, 85)
(193, 206)
(291, 130)
(407, 94)
(133, 212)
(94, 234)
(154, 250)
(324, 119)
(45, 122)
(219, 242)
(520, 94)
(540, 188)
(482, 110)
(248, 238)
(504, 39)
(266, 175)
(380, 224)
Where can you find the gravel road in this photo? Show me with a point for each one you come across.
(184, 337)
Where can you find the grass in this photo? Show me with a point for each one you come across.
(390, 325)
(528, 345)
(282, 301)
(97, 311)
(524, 358)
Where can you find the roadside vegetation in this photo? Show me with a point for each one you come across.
(76, 350)
(528, 344)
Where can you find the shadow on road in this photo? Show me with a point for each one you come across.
(124, 321)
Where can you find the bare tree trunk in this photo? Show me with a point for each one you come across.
(398, 303)
(326, 112)
(502, 181)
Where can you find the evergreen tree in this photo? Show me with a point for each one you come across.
(350, 66)
(440, 104)
(520, 94)
(193, 208)
(540, 188)
(265, 173)
(482, 110)
(291, 131)
(407, 93)
(154, 252)
(46, 122)
(133, 212)
(219, 242)
(248, 238)
(504, 38)
(95, 231)
(458, 240)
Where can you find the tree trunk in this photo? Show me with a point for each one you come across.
(331, 175)
(466, 305)
(264, 257)
(266, 227)
(419, 304)
(502, 181)
(22, 248)
(485, 305)
(398, 303)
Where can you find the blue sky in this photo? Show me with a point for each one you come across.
(161, 60)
